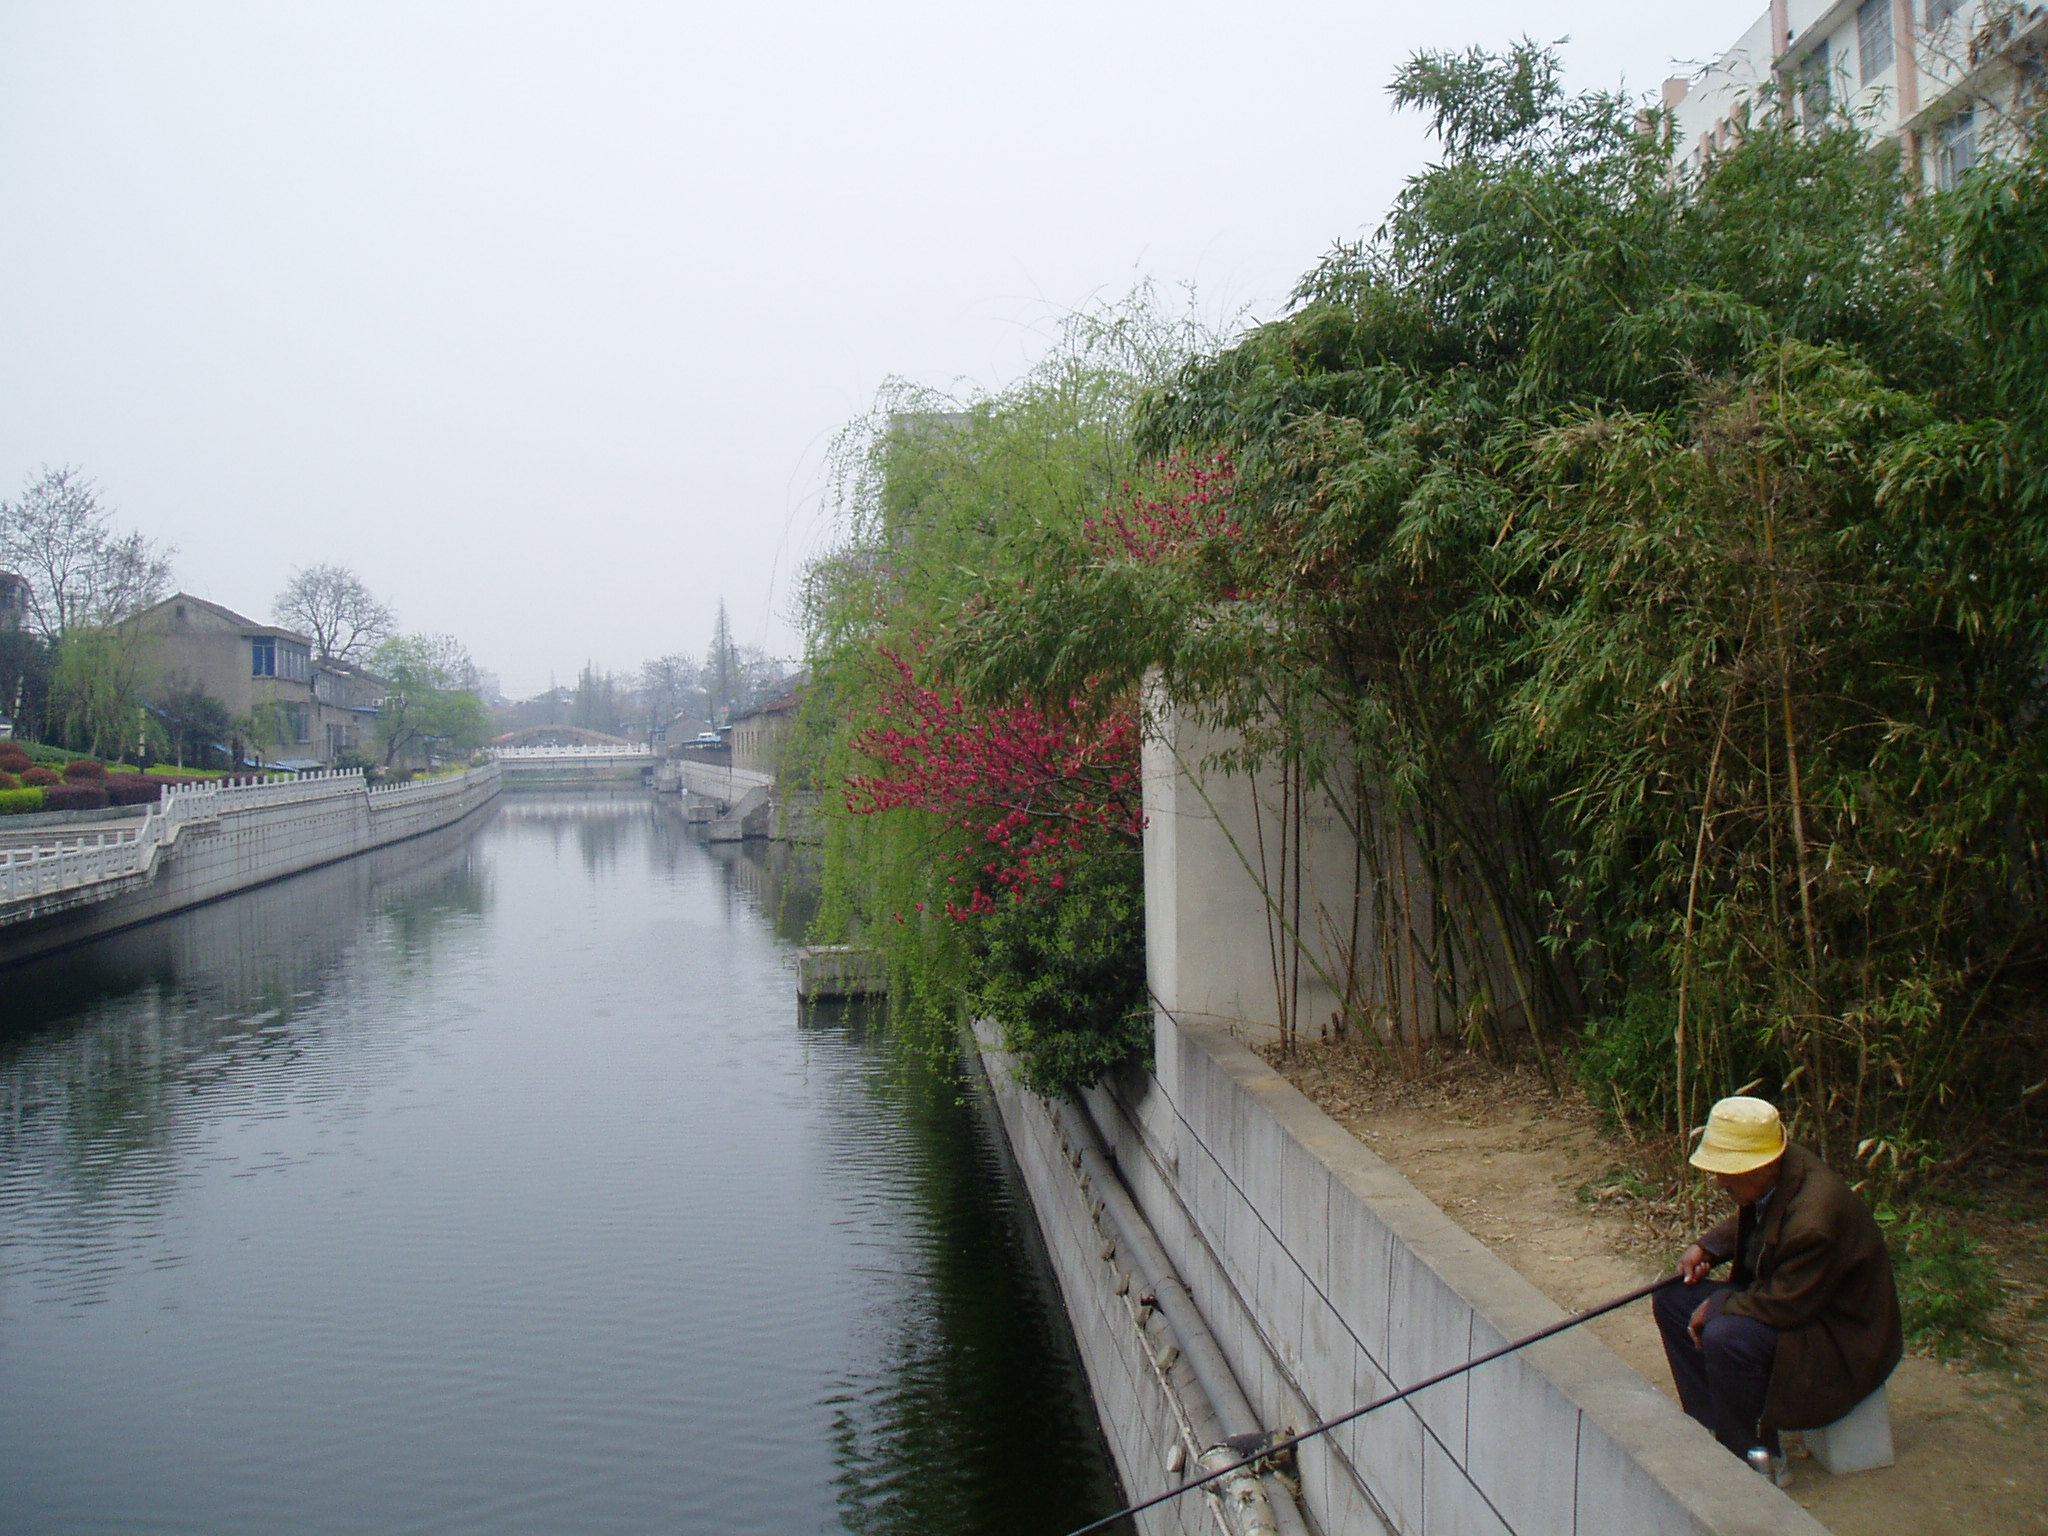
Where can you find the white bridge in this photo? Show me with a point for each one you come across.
(575, 753)
(577, 761)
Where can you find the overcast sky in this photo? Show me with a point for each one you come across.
(541, 316)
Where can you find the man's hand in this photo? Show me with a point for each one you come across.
(1699, 1321)
(1694, 1264)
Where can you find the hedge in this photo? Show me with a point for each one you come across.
(17, 802)
(74, 797)
(133, 789)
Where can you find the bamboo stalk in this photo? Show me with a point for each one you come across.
(1692, 892)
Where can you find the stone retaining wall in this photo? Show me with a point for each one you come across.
(248, 846)
(1329, 1280)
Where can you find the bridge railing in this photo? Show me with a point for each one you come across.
(516, 754)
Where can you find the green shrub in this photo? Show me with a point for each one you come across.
(1948, 1286)
(18, 802)
(1063, 973)
(1624, 1060)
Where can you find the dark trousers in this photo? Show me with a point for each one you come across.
(1722, 1383)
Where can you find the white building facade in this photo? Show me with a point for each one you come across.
(1949, 81)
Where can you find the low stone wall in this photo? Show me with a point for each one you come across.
(250, 845)
(1329, 1280)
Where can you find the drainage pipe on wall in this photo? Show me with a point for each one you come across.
(1250, 1504)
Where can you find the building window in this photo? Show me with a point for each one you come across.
(297, 723)
(272, 657)
(1813, 87)
(1874, 37)
(1956, 151)
(1939, 11)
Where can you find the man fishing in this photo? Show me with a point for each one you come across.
(1807, 1324)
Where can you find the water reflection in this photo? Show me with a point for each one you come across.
(100, 1047)
(955, 1317)
(779, 880)
(487, 1184)
(597, 819)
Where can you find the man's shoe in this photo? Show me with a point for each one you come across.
(1764, 1464)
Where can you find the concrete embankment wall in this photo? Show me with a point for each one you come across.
(250, 845)
(1329, 1280)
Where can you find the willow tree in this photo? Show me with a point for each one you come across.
(992, 850)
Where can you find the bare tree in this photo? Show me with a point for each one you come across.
(81, 574)
(667, 684)
(331, 604)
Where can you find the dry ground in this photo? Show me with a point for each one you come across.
(1585, 1215)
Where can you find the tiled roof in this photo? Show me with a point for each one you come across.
(239, 620)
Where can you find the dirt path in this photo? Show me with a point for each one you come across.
(1536, 1181)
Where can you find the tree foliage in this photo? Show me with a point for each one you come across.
(196, 726)
(1667, 557)
(430, 708)
(990, 847)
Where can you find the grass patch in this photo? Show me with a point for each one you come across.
(42, 756)
(1618, 1184)
(1948, 1285)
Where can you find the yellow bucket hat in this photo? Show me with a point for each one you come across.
(1742, 1134)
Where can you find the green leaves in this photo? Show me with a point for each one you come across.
(1665, 552)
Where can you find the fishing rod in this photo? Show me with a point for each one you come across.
(1288, 1442)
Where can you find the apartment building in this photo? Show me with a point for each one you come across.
(1949, 81)
(316, 708)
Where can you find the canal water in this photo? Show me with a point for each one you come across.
(494, 1183)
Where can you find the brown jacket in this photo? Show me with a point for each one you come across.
(1824, 1280)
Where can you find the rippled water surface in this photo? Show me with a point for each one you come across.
(493, 1183)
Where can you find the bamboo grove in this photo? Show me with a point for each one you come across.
(1668, 556)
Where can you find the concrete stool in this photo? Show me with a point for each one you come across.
(1858, 1441)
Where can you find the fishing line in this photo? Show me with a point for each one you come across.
(1288, 1442)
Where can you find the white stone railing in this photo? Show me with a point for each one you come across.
(427, 789)
(517, 754)
(71, 860)
(235, 794)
